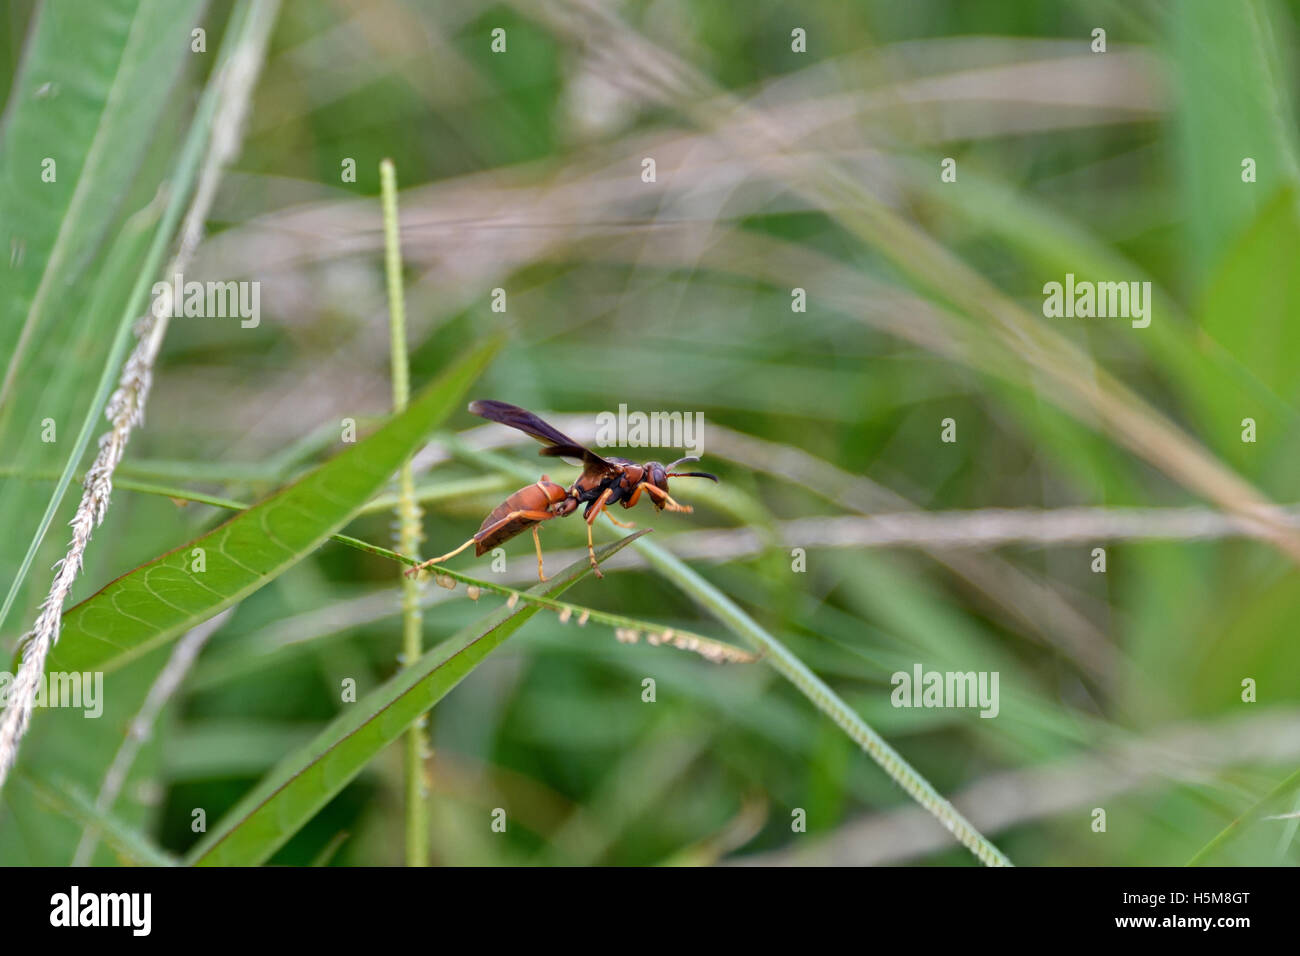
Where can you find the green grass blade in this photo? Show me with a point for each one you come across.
(165, 597)
(1222, 56)
(65, 797)
(1237, 826)
(182, 181)
(96, 131)
(825, 699)
(306, 780)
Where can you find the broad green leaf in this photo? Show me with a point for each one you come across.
(1252, 309)
(79, 282)
(95, 84)
(165, 597)
(242, 33)
(1231, 80)
(94, 81)
(1252, 301)
(306, 780)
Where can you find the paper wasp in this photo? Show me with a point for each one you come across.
(604, 481)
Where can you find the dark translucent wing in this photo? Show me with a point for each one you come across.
(566, 451)
(521, 418)
(562, 445)
(593, 466)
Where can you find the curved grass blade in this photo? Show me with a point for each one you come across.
(126, 54)
(65, 797)
(331, 849)
(128, 111)
(1253, 813)
(305, 781)
(170, 594)
(826, 700)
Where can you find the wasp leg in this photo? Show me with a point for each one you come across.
(595, 513)
(591, 553)
(622, 524)
(438, 560)
(537, 540)
(667, 499)
(483, 533)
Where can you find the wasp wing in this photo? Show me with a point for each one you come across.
(522, 419)
(560, 444)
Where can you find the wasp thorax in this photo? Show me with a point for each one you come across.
(554, 493)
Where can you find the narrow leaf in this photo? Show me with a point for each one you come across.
(306, 780)
(64, 796)
(94, 84)
(170, 594)
(1255, 812)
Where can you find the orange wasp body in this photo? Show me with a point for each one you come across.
(604, 481)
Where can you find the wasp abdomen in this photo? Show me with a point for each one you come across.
(495, 530)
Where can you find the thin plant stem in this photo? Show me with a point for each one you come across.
(408, 528)
(424, 493)
(976, 529)
(628, 629)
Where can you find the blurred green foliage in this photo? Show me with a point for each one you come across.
(522, 171)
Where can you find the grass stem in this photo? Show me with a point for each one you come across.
(408, 526)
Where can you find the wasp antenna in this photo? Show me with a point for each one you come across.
(681, 461)
(692, 474)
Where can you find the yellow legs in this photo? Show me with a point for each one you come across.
(438, 560)
(537, 540)
(666, 498)
(596, 509)
(537, 516)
